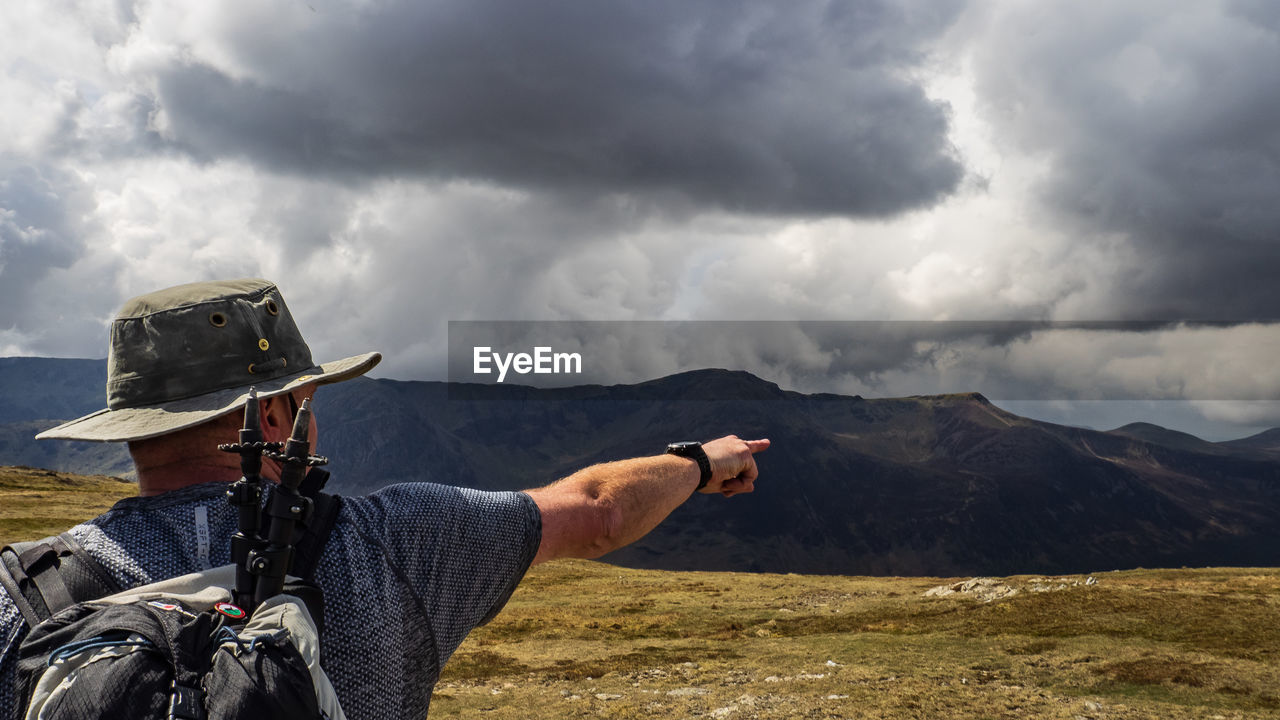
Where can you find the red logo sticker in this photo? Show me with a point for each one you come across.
(163, 605)
(231, 611)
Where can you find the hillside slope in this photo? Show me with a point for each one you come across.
(936, 485)
(35, 503)
(922, 485)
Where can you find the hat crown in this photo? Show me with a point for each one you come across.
(193, 339)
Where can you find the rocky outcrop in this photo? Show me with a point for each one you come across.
(988, 589)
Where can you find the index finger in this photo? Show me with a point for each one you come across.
(756, 446)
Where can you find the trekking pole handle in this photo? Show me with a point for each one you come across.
(287, 508)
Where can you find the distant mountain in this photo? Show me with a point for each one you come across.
(924, 485)
(19, 447)
(34, 388)
(1157, 435)
(939, 485)
(1265, 440)
(39, 393)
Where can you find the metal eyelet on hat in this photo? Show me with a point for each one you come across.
(263, 344)
(273, 308)
(217, 319)
(270, 364)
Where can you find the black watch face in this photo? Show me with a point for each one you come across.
(683, 446)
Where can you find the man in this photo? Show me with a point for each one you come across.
(409, 570)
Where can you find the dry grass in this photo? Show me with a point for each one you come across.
(585, 639)
(36, 503)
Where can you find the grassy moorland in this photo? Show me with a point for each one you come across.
(585, 639)
(582, 639)
(35, 503)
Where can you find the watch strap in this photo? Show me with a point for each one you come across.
(694, 451)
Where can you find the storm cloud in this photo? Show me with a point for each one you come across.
(803, 108)
(44, 221)
(1160, 128)
(1008, 361)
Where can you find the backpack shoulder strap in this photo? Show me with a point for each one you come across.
(13, 578)
(307, 551)
(86, 577)
(48, 575)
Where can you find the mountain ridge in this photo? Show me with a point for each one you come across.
(940, 485)
(1265, 440)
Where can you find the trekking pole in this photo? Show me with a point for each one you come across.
(246, 495)
(287, 508)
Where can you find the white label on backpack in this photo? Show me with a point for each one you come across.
(202, 535)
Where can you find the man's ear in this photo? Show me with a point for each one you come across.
(277, 420)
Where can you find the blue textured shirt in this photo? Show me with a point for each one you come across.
(408, 571)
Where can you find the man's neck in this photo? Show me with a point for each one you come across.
(165, 477)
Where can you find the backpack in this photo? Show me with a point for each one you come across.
(179, 648)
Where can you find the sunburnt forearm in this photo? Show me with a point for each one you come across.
(604, 507)
(638, 494)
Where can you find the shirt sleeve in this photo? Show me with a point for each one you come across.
(12, 630)
(462, 552)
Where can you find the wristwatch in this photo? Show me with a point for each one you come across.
(693, 451)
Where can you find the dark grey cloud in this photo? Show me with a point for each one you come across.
(48, 305)
(799, 108)
(38, 233)
(1162, 128)
(1040, 361)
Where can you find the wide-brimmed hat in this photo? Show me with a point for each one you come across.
(187, 354)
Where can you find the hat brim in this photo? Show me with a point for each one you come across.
(140, 423)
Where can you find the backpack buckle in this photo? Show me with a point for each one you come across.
(185, 703)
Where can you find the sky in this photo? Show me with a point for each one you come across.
(395, 166)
